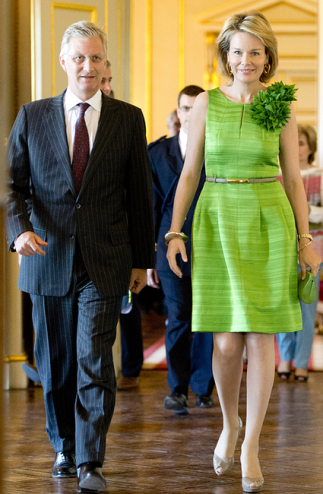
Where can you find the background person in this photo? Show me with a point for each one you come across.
(297, 346)
(189, 361)
(244, 259)
(132, 354)
(106, 79)
(82, 244)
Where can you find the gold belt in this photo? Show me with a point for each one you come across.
(240, 180)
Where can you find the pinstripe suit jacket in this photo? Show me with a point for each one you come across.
(112, 216)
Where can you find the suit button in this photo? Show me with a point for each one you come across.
(72, 236)
(78, 206)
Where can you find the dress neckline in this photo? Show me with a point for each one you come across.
(234, 102)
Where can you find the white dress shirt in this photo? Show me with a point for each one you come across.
(182, 141)
(92, 115)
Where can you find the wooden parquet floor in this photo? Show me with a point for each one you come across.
(153, 451)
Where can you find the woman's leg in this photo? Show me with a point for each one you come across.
(260, 379)
(227, 371)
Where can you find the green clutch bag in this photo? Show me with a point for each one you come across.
(307, 291)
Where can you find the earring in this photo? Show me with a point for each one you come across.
(228, 66)
(267, 67)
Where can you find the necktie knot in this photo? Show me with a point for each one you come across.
(83, 108)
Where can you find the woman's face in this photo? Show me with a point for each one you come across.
(247, 57)
(303, 149)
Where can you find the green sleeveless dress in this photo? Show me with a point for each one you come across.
(244, 248)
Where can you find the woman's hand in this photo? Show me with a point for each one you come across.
(176, 246)
(307, 257)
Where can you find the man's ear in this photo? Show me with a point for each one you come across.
(62, 62)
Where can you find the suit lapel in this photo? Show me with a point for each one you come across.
(108, 125)
(54, 125)
(175, 159)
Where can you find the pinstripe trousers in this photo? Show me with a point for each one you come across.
(73, 353)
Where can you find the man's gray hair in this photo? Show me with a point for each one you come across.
(83, 29)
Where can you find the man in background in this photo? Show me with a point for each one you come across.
(189, 360)
(132, 354)
(106, 79)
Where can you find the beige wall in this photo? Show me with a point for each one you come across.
(161, 29)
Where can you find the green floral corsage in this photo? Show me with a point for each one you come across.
(270, 109)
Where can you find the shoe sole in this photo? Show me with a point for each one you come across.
(90, 491)
(92, 485)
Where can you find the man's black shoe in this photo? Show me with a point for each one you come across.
(64, 466)
(203, 401)
(90, 478)
(178, 403)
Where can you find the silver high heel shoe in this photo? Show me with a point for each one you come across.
(252, 485)
(225, 463)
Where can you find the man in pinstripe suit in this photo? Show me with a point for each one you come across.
(81, 248)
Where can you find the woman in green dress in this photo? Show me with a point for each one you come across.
(244, 254)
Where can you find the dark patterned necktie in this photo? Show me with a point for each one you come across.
(81, 149)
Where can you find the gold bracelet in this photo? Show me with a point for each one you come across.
(305, 235)
(305, 245)
(170, 235)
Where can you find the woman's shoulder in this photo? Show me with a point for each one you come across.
(202, 101)
(213, 93)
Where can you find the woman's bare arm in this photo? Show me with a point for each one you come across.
(189, 179)
(294, 188)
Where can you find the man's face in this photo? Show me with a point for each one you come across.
(84, 64)
(106, 81)
(184, 111)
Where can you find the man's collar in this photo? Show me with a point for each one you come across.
(182, 137)
(71, 100)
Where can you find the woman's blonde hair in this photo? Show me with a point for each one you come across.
(311, 137)
(253, 23)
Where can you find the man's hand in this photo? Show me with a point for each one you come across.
(153, 278)
(138, 280)
(27, 244)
